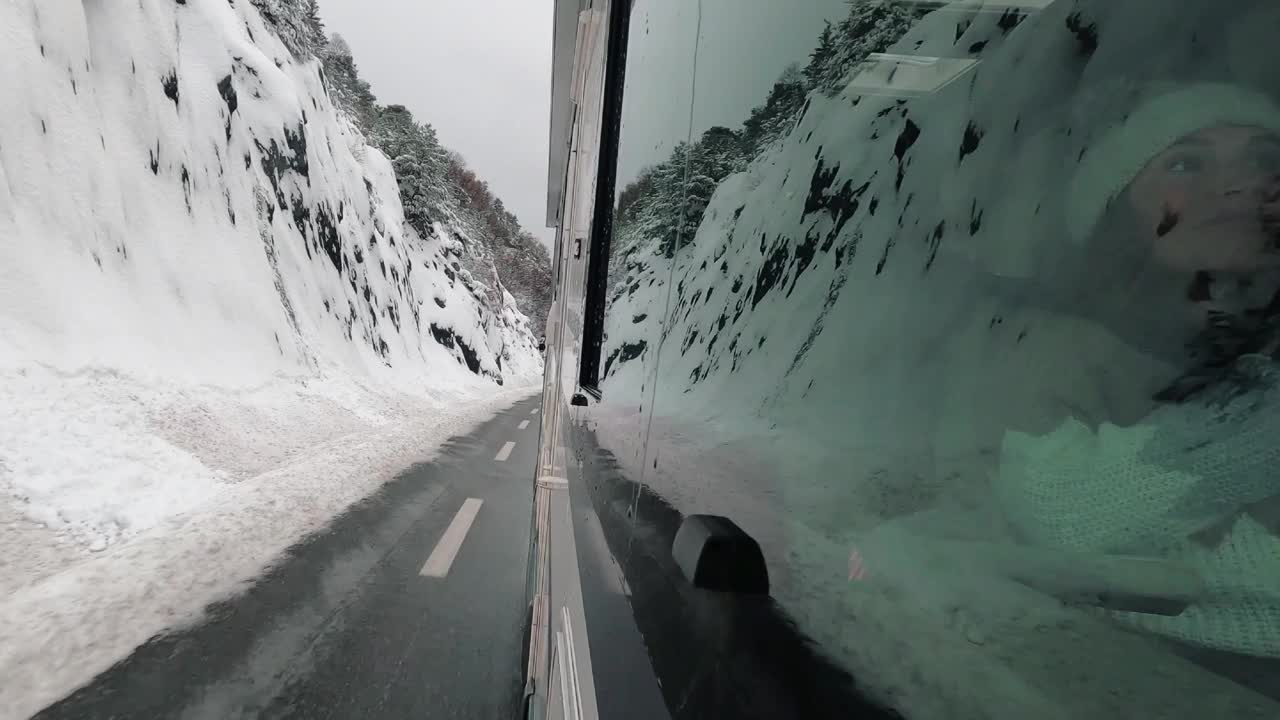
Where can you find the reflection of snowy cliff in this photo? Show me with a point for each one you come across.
(847, 248)
(843, 299)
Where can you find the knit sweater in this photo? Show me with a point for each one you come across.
(1186, 470)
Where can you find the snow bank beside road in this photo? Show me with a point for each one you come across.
(99, 457)
(264, 468)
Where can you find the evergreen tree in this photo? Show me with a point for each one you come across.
(722, 152)
(821, 56)
(770, 121)
(421, 165)
(869, 27)
(637, 189)
(315, 25)
(650, 207)
(297, 24)
(338, 46)
(436, 186)
(348, 91)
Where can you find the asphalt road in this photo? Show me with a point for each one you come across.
(410, 605)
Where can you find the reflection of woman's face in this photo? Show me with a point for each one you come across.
(1211, 201)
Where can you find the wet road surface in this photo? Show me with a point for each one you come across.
(411, 604)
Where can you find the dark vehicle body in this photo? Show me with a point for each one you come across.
(822, 319)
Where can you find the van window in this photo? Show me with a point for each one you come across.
(966, 312)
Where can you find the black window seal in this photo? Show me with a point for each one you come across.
(606, 180)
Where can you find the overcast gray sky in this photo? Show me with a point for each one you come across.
(479, 71)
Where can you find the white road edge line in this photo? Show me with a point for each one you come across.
(565, 697)
(441, 559)
(505, 452)
(533, 411)
(523, 424)
(571, 662)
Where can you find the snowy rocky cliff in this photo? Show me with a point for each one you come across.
(209, 271)
(833, 218)
(218, 328)
(180, 197)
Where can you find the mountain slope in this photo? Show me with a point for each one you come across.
(217, 328)
(218, 219)
(438, 190)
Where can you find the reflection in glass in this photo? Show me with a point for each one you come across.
(971, 322)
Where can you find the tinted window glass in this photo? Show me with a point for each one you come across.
(660, 56)
(966, 313)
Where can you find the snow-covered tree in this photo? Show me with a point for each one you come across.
(656, 213)
(869, 27)
(651, 206)
(349, 92)
(665, 204)
(722, 152)
(775, 117)
(436, 186)
(338, 45)
(421, 166)
(820, 58)
(297, 23)
(437, 189)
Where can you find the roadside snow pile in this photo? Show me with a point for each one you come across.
(95, 458)
(83, 460)
(195, 238)
(65, 620)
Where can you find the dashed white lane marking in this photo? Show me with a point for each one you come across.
(523, 424)
(441, 559)
(505, 452)
(533, 411)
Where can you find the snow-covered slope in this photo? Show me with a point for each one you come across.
(875, 214)
(181, 204)
(217, 329)
(180, 196)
